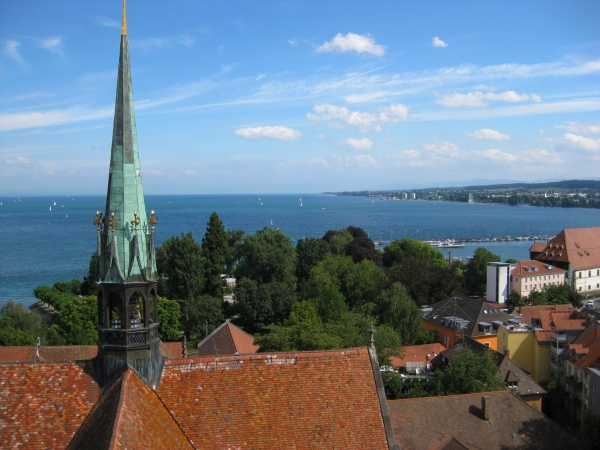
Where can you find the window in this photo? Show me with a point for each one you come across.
(446, 339)
(589, 273)
(487, 344)
(579, 274)
(513, 384)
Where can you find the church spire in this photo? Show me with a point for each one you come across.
(124, 20)
(127, 297)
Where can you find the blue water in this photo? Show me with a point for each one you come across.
(40, 246)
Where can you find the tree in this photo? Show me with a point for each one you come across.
(19, 326)
(88, 287)
(400, 312)
(329, 302)
(76, 323)
(268, 256)
(180, 262)
(514, 300)
(309, 252)
(470, 372)
(476, 271)
(169, 315)
(206, 314)
(590, 431)
(359, 283)
(338, 240)
(232, 253)
(399, 249)
(214, 245)
(426, 281)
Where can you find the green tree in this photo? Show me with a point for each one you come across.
(427, 281)
(88, 287)
(214, 246)
(329, 302)
(338, 240)
(476, 271)
(470, 372)
(309, 251)
(590, 431)
(399, 311)
(169, 315)
(180, 263)
(19, 326)
(399, 249)
(206, 314)
(232, 253)
(76, 323)
(515, 299)
(268, 256)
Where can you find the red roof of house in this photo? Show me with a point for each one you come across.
(227, 339)
(48, 353)
(531, 314)
(42, 405)
(284, 400)
(532, 268)
(173, 349)
(129, 415)
(586, 347)
(417, 353)
(578, 246)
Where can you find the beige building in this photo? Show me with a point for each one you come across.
(528, 276)
(576, 250)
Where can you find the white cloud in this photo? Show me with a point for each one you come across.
(394, 113)
(52, 44)
(360, 144)
(107, 22)
(261, 76)
(276, 132)
(484, 87)
(351, 42)
(410, 153)
(11, 49)
(445, 150)
(20, 161)
(538, 157)
(163, 42)
(437, 42)
(153, 172)
(496, 155)
(583, 142)
(486, 133)
(293, 42)
(341, 116)
(360, 160)
(319, 161)
(581, 127)
(33, 119)
(188, 172)
(478, 98)
(367, 97)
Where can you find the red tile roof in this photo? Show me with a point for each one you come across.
(578, 246)
(129, 415)
(48, 353)
(539, 268)
(531, 314)
(42, 405)
(172, 349)
(586, 347)
(417, 353)
(227, 339)
(284, 400)
(429, 423)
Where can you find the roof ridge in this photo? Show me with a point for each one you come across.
(214, 331)
(117, 419)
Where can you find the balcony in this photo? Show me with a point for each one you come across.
(556, 351)
(557, 367)
(558, 337)
(129, 338)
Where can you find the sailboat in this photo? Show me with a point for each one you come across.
(271, 222)
(51, 208)
(54, 203)
(301, 202)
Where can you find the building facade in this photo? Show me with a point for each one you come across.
(529, 276)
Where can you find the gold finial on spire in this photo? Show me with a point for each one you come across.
(124, 20)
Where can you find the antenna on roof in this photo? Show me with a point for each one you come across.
(37, 349)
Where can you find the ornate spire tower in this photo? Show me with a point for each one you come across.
(127, 309)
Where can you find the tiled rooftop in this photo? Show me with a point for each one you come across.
(284, 400)
(417, 354)
(429, 423)
(48, 353)
(227, 339)
(42, 405)
(578, 246)
(129, 415)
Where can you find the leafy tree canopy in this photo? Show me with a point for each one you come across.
(214, 246)
(476, 271)
(169, 315)
(470, 372)
(400, 312)
(399, 249)
(309, 253)
(19, 326)
(206, 314)
(232, 253)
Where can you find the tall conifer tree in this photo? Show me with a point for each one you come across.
(214, 245)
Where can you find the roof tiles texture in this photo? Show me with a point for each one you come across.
(48, 353)
(531, 314)
(418, 353)
(542, 269)
(42, 405)
(129, 415)
(578, 246)
(227, 339)
(286, 400)
(428, 423)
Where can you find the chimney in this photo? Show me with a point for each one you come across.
(485, 407)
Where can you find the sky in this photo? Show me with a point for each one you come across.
(300, 96)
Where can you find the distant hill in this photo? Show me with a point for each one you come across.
(566, 184)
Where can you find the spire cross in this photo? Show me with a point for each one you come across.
(98, 220)
(136, 221)
(113, 223)
(124, 20)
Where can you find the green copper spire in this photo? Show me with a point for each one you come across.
(126, 245)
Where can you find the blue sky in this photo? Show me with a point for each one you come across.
(305, 96)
